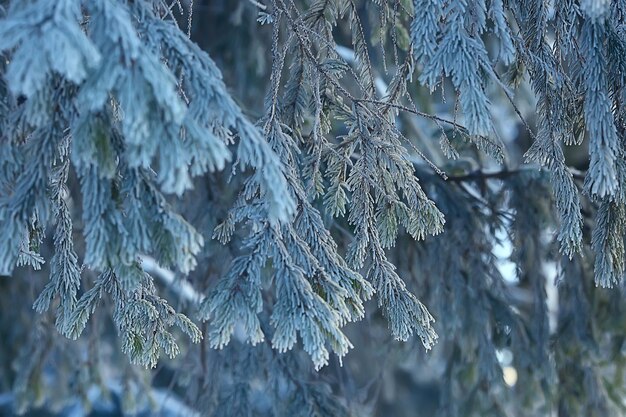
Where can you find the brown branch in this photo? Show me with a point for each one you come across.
(502, 175)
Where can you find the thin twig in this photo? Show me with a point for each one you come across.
(502, 175)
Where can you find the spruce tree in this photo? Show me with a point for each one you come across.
(313, 207)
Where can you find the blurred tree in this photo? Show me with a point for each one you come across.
(180, 239)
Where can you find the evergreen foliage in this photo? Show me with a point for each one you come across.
(232, 237)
